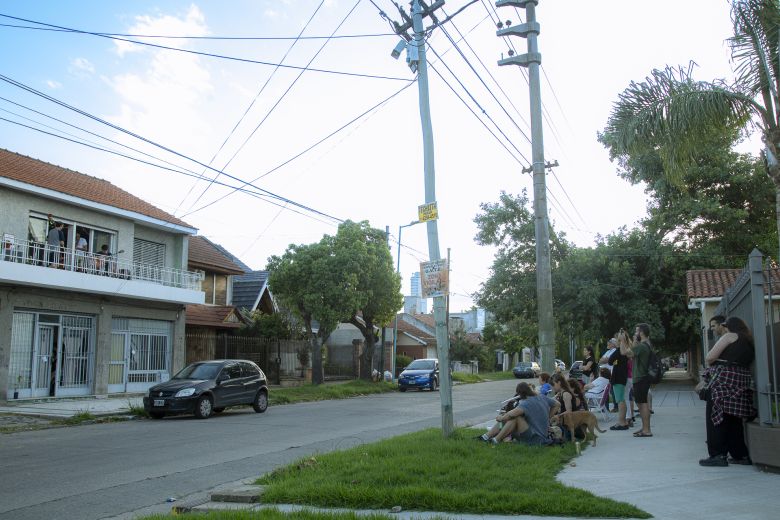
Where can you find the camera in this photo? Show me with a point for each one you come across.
(399, 48)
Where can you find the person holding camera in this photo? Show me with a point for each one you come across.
(640, 353)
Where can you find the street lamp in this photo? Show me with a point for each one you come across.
(398, 270)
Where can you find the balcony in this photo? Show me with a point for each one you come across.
(35, 264)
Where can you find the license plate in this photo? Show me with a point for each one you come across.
(159, 402)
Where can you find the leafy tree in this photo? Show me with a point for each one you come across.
(675, 114)
(269, 326)
(309, 280)
(374, 288)
(510, 291)
(465, 350)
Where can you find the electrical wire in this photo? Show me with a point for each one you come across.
(212, 55)
(284, 94)
(153, 143)
(241, 119)
(171, 37)
(277, 167)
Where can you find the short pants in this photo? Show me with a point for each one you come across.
(620, 393)
(641, 389)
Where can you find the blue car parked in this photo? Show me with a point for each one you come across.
(421, 373)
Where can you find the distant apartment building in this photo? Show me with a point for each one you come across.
(415, 303)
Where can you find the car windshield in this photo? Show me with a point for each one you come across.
(421, 364)
(199, 371)
(524, 365)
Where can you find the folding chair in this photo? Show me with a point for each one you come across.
(601, 404)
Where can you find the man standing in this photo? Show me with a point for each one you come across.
(640, 352)
(55, 240)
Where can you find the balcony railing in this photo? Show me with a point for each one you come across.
(96, 264)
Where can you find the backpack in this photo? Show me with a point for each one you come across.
(655, 369)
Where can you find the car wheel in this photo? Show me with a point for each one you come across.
(156, 415)
(434, 385)
(260, 404)
(219, 410)
(204, 407)
(402, 389)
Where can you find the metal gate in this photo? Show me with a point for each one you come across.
(140, 354)
(51, 355)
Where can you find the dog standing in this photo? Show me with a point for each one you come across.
(573, 420)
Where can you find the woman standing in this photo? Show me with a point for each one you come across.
(729, 395)
(589, 365)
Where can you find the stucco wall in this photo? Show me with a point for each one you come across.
(102, 308)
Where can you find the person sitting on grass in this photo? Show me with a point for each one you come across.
(528, 422)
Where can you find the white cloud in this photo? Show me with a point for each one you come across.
(82, 65)
(53, 84)
(193, 23)
(271, 13)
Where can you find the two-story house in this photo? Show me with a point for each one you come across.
(93, 285)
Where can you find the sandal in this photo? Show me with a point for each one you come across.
(642, 434)
(619, 427)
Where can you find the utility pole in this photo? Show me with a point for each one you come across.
(415, 49)
(532, 59)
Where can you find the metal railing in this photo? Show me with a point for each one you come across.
(97, 264)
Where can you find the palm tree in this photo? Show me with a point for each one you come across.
(673, 114)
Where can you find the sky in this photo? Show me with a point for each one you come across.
(274, 126)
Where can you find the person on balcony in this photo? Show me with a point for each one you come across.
(103, 260)
(82, 248)
(55, 241)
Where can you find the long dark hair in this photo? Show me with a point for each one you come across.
(576, 392)
(524, 391)
(558, 378)
(589, 350)
(739, 327)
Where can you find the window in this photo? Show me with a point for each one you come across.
(249, 369)
(232, 371)
(146, 252)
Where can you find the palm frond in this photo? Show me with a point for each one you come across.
(754, 50)
(670, 112)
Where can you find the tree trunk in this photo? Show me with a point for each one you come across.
(317, 374)
(367, 356)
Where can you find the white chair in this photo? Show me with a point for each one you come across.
(601, 404)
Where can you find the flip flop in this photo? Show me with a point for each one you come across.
(619, 427)
(642, 434)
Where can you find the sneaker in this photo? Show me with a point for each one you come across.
(483, 437)
(493, 441)
(715, 460)
(744, 461)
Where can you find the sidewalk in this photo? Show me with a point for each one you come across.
(661, 474)
(62, 408)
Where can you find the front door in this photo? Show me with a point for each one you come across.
(45, 365)
(117, 365)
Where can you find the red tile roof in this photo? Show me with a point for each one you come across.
(713, 283)
(405, 326)
(427, 319)
(44, 175)
(204, 255)
(217, 316)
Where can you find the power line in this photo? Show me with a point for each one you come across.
(277, 167)
(262, 89)
(284, 94)
(212, 55)
(261, 196)
(172, 37)
(149, 141)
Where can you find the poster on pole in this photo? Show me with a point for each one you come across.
(427, 212)
(434, 278)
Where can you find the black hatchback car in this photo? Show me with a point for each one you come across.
(209, 387)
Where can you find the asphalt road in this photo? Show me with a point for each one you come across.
(111, 470)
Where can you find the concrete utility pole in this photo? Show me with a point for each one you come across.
(532, 59)
(416, 57)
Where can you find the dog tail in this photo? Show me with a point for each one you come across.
(599, 429)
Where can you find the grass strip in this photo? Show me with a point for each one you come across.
(424, 472)
(462, 377)
(300, 394)
(273, 514)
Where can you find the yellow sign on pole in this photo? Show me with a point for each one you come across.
(427, 212)
(435, 278)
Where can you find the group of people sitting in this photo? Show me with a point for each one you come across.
(526, 417)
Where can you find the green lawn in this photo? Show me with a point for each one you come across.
(299, 394)
(272, 514)
(422, 471)
(481, 378)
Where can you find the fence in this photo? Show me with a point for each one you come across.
(751, 298)
(277, 358)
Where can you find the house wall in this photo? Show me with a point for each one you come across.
(103, 309)
(173, 245)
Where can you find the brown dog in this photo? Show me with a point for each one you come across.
(573, 420)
